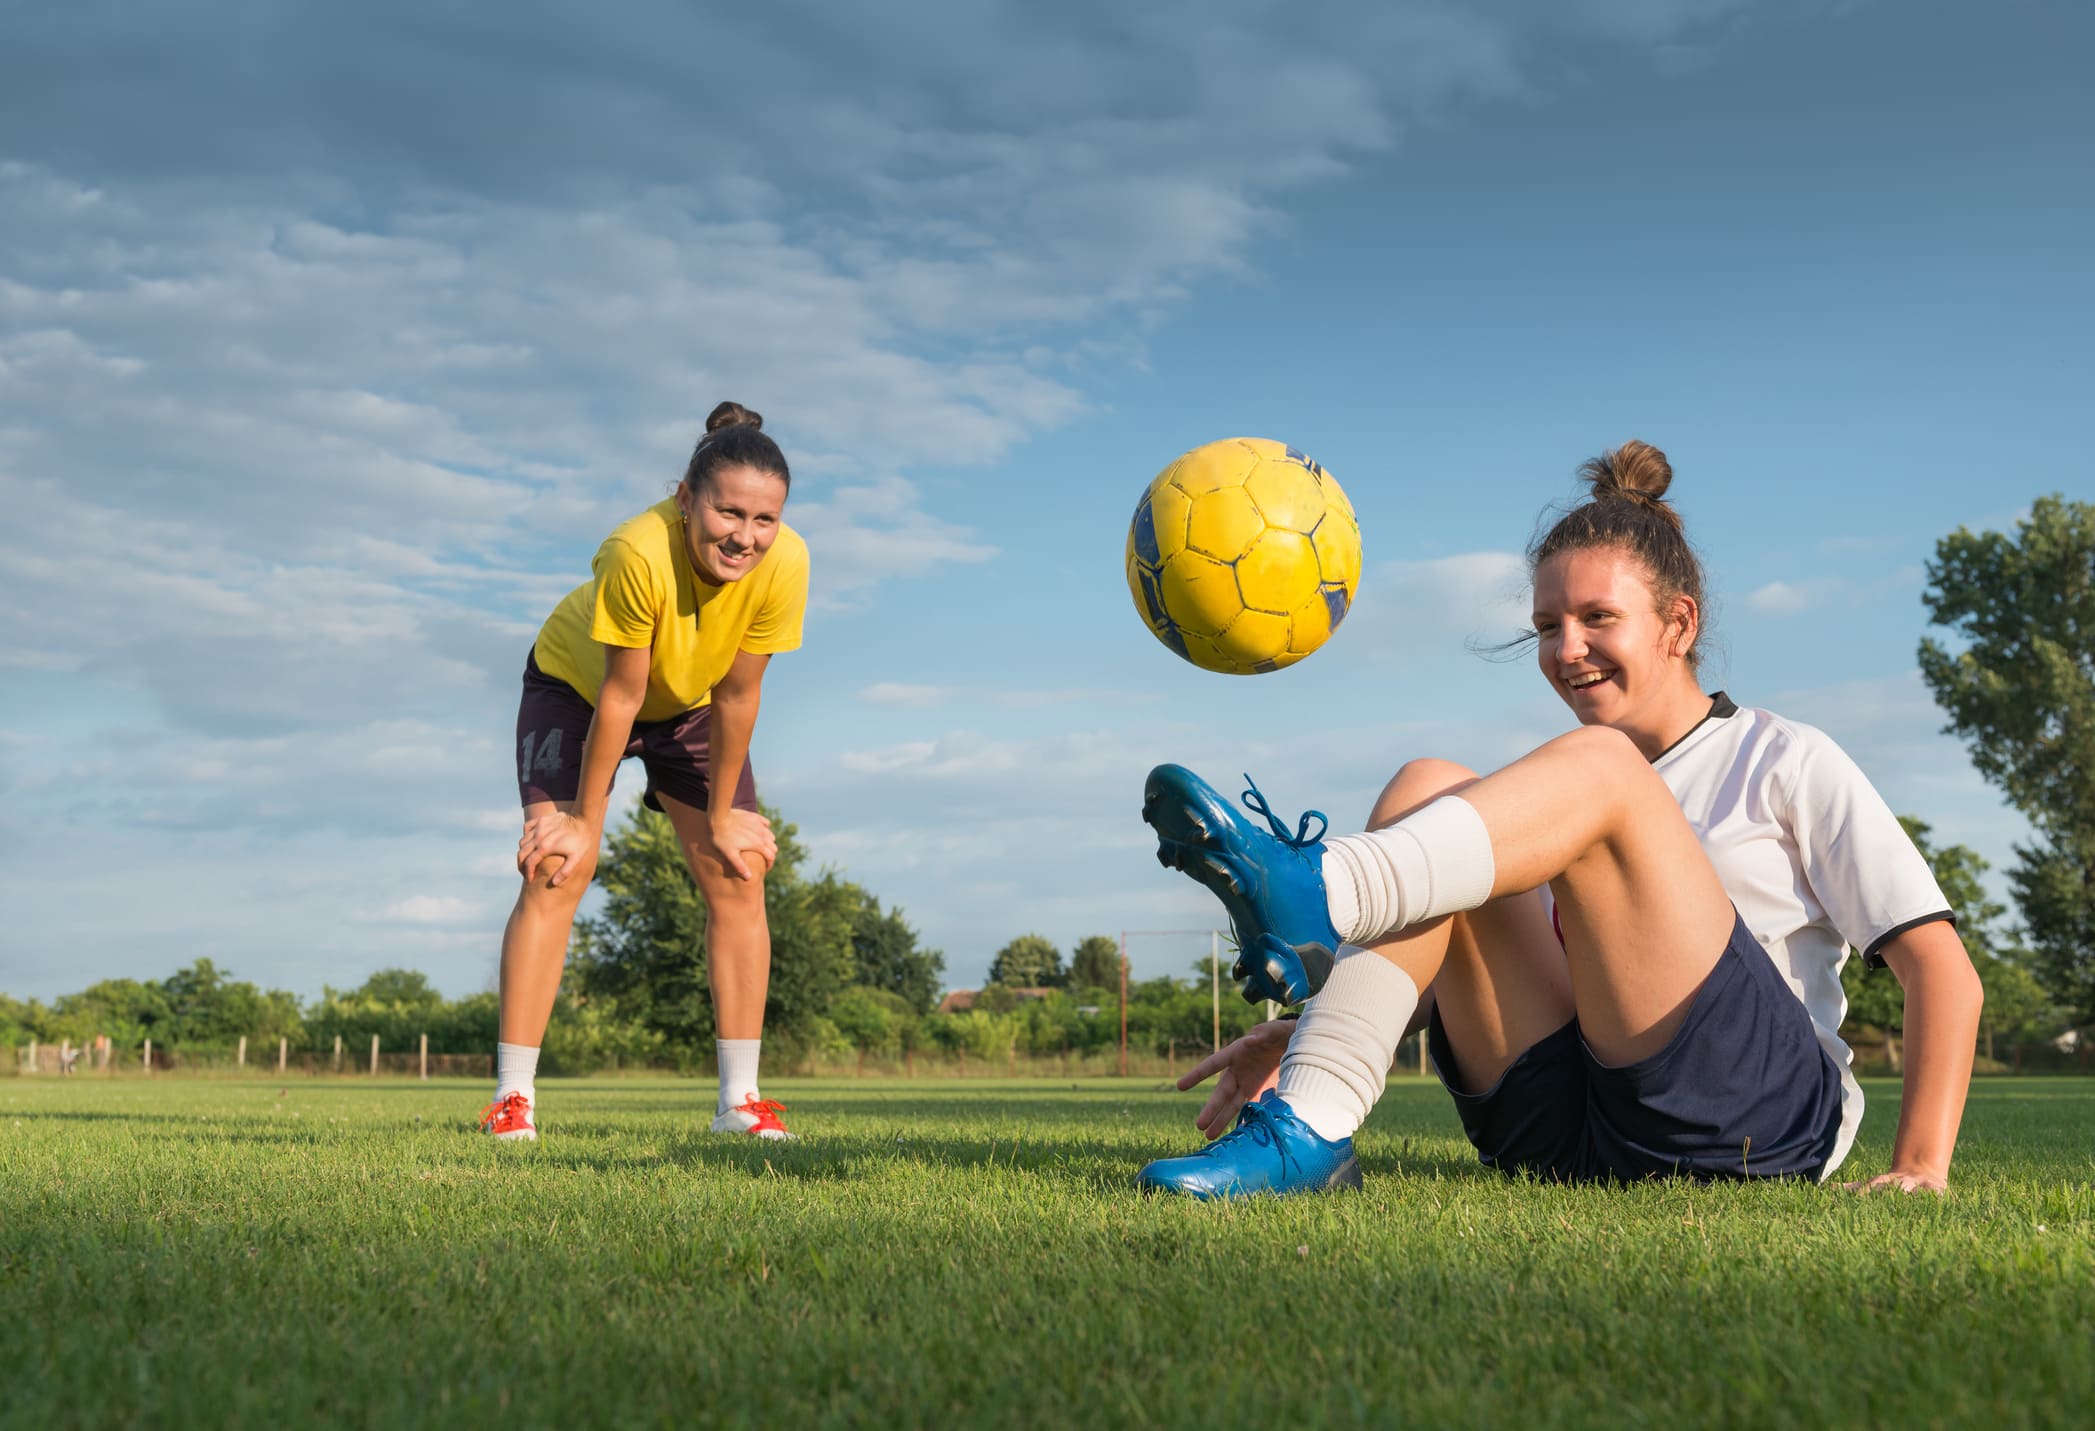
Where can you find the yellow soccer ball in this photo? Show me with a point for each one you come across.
(1243, 556)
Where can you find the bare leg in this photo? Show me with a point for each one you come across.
(1492, 1009)
(738, 931)
(534, 944)
(1644, 916)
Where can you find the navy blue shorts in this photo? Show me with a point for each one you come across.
(1743, 1089)
(552, 719)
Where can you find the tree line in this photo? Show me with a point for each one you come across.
(2016, 680)
(848, 975)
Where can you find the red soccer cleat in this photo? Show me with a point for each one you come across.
(758, 1117)
(509, 1118)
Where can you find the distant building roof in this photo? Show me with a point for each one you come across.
(960, 1001)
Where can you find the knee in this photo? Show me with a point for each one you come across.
(731, 898)
(540, 891)
(1419, 782)
(1607, 750)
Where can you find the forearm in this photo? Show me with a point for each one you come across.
(734, 723)
(1942, 1021)
(609, 731)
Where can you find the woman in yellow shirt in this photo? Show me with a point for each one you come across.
(661, 654)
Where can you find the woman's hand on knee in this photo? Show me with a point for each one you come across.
(563, 845)
(1247, 1068)
(744, 842)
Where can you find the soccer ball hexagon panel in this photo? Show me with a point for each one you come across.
(1243, 556)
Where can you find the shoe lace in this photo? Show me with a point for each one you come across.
(1255, 801)
(765, 1110)
(505, 1108)
(1255, 1123)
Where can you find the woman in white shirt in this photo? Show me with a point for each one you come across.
(1632, 936)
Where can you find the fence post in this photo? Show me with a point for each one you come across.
(1425, 1069)
(374, 1054)
(241, 1060)
(338, 1053)
(425, 1058)
(283, 1055)
(1123, 1004)
(32, 1056)
(149, 1056)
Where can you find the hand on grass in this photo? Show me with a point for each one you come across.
(571, 838)
(1901, 1182)
(1247, 1067)
(741, 833)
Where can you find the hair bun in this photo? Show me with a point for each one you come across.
(733, 414)
(1635, 469)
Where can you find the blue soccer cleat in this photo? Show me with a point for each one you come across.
(1269, 1151)
(1272, 885)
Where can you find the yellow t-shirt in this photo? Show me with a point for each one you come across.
(645, 594)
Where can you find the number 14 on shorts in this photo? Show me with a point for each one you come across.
(547, 760)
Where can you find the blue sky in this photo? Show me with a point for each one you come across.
(334, 338)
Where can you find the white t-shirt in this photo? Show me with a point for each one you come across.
(1810, 854)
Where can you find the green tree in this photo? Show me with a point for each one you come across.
(2021, 694)
(1095, 963)
(1027, 962)
(885, 955)
(646, 951)
(401, 988)
(873, 1020)
(128, 1010)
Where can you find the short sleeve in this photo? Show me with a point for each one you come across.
(1860, 863)
(627, 599)
(777, 624)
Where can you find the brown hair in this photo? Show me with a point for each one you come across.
(734, 438)
(1629, 510)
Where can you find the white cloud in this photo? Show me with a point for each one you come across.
(437, 909)
(918, 697)
(1794, 598)
(897, 693)
(328, 350)
(1414, 610)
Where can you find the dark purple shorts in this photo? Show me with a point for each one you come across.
(553, 718)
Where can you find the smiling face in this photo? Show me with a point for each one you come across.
(730, 520)
(1609, 654)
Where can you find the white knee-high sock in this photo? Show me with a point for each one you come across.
(1436, 860)
(738, 1070)
(1339, 1058)
(516, 1070)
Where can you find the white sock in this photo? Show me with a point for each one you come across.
(516, 1070)
(738, 1070)
(1434, 861)
(1338, 1060)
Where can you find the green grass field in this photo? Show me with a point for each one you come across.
(211, 1252)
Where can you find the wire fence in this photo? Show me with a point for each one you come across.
(103, 1059)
